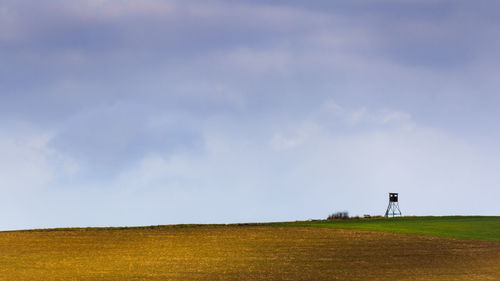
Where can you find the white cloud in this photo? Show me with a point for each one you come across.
(364, 116)
(309, 170)
(298, 136)
(27, 163)
(297, 171)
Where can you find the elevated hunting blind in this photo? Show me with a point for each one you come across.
(393, 208)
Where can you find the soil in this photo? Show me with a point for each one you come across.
(242, 253)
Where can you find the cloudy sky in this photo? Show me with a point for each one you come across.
(122, 112)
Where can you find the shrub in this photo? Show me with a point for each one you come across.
(338, 216)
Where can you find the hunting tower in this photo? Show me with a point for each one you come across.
(393, 208)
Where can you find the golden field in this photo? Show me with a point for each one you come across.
(241, 253)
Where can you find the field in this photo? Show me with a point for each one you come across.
(461, 227)
(293, 251)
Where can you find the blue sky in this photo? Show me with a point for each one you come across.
(158, 112)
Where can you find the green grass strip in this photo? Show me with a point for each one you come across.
(485, 228)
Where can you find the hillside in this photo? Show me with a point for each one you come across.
(461, 227)
(248, 252)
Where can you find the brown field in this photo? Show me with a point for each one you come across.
(242, 253)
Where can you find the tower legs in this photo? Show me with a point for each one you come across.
(393, 209)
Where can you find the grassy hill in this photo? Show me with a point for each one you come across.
(461, 227)
(333, 250)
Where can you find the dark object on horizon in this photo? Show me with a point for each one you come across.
(393, 208)
(339, 216)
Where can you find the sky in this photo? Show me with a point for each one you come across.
(123, 113)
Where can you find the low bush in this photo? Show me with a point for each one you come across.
(338, 216)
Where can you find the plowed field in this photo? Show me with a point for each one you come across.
(242, 253)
